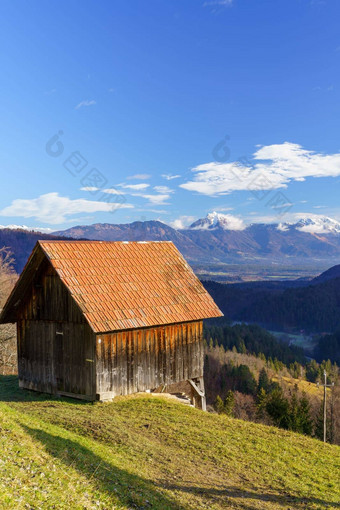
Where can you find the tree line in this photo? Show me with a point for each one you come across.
(314, 308)
(252, 339)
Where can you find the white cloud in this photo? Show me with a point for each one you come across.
(324, 88)
(222, 208)
(223, 3)
(87, 102)
(135, 187)
(232, 222)
(137, 190)
(157, 211)
(169, 177)
(160, 199)
(282, 227)
(182, 222)
(54, 209)
(274, 166)
(254, 217)
(163, 189)
(139, 177)
(112, 191)
(281, 206)
(89, 188)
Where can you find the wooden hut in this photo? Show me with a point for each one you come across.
(99, 319)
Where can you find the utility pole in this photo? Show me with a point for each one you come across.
(325, 386)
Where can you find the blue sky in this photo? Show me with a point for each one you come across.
(168, 110)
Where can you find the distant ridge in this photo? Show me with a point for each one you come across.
(330, 274)
(136, 231)
(21, 242)
(293, 306)
(223, 238)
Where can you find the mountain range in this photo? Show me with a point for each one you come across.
(222, 238)
(211, 241)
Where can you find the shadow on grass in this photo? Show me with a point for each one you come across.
(235, 492)
(10, 392)
(115, 483)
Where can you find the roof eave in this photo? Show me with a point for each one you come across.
(106, 332)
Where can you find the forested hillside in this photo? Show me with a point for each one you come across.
(315, 308)
(252, 375)
(328, 347)
(20, 243)
(251, 339)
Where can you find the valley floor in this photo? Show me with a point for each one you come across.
(143, 452)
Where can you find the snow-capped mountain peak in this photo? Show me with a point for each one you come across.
(28, 229)
(216, 220)
(313, 224)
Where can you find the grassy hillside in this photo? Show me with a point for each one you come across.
(145, 452)
(309, 388)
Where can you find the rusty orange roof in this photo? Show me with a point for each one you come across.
(124, 285)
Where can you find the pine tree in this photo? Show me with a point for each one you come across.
(306, 424)
(293, 413)
(219, 405)
(261, 402)
(295, 369)
(277, 365)
(264, 382)
(270, 363)
(318, 423)
(262, 356)
(277, 407)
(229, 403)
(312, 371)
(242, 347)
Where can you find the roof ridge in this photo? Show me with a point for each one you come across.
(60, 241)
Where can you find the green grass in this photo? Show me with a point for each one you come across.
(148, 452)
(303, 386)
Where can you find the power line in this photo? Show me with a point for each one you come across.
(325, 386)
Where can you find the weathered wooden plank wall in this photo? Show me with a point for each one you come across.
(56, 346)
(138, 360)
(48, 299)
(56, 358)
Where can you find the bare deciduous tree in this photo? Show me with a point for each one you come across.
(8, 277)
